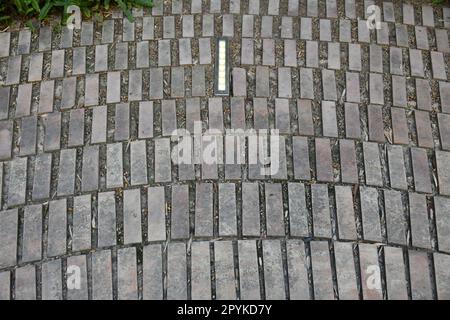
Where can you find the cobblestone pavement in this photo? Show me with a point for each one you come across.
(360, 208)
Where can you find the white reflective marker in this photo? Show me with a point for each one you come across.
(222, 68)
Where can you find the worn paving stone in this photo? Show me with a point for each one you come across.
(298, 270)
(273, 270)
(420, 275)
(90, 170)
(321, 211)
(8, 232)
(372, 164)
(66, 177)
(127, 286)
(345, 270)
(396, 283)
(52, 280)
(99, 124)
(442, 275)
(321, 271)
(224, 268)
(77, 290)
(395, 217)
(17, 182)
(345, 213)
(248, 270)
(42, 176)
(152, 272)
(396, 165)
(25, 283)
(6, 136)
(102, 275)
(57, 228)
(421, 171)
(106, 219)
(324, 169)
(138, 162)
(370, 272)
(176, 272)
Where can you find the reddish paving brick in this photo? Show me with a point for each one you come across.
(349, 169)
(305, 120)
(419, 270)
(321, 210)
(352, 122)
(321, 269)
(399, 126)
(376, 129)
(324, 169)
(345, 213)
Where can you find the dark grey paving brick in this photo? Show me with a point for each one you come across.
(438, 65)
(108, 31)
(442, 166)
(52, 280)
(42, 176)
(345, 270)
(329, 120)
(176, 272)
(401, 35)
(138, 162)
(177, 83)
(5, 39)
(376, 85)
(200, 271)
(90, 170)
(135, 85)
(102, 275)
(444, 93)
(4, 102)
(180, 212)
(69, 89)
(239, 76)
(14, 68)
(204, 225)
(444, 132)
(352, 121)
(349, 169)
(424, 129)
(306, 83)
(248, 270)
(442, 40)
(399, 126)
(421, 170)
(418, 214)
(420, 275)
(8, 232)
(224, 269)
(87, 33)
(35, 69)
(423, 93)
(416, 63)
(408, 14)
(396, 284)
(121, 56)
(298, 270)
(422, 38)
(127, 283)
(227, 209)
(91, 89)
(106, 219)
(152, 272)
(353, 93)
(321, 271)
(28, 131)
(321, 210)
(47, 89)
(262, 81)
(17, 181)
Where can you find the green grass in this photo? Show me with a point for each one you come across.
(40, 9)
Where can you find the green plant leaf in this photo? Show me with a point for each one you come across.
(45, 9)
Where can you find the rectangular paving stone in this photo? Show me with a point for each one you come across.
(66, 38)
(23, 103)
(345, 30)
(57, 64)
(122, 122)
(152, 272)
(127, 283)
(442, 40)
(399, 126)
(227, 209)
(442, 166)
(239, 76)
(329, 85)
(321, 270)
(135, 85)
(5, 39)
(90, 170)
(416, 63)
(354, 57)
(418, 213)
(81, 223)
(228, 25)
(376, 85)
(108, 31)
(200, 271)
(6, 136)
(442, 213)
(345, 213)
(87, 34)
(177, 83)
(321, 210)
(138, 162)
(438, 65)
(399, 98)
(363, 31)
(4, 102)
(121, 56)
(5, 285)
(334, 55)
(66, 175)
(106, 219)
(329, 120)
(101, 58)
(273, 270)
(305, 28)
(99, 124)
(372, 164)
(101, 275)
(444, 93)
(69, 90)
(376, 58)
(312, 9)
(79, 292)
(427, 16)
(396, 284)
(204, 209)
(176, 272)
(370, 214)
(132, 228)
(349, 169)
(298, 270)
(396, 164)
(446, 16)
(370, 272)
(282, 118)
(164, 53)
(421, 170)
(79, 60)
(205, 50)
(248, 26)
(423, 94)
(300, 150)
(352, 122)
(57, 224)
(114, 166)
(76, 128)
(91, 89)
(325, 30)
(250, 209)
(423, 127)
(396, 60)
(24, 42)
(1, 184)
(444, 132)
(8, 232)
(298, 212)
(188, 26)
(128, 30)
(52, 280)
(401, 35)
(290, 53)
(235, 6)
(113, 87)
(148, 28)
(17, 182)
(42, 176)
(185, 52)
(224, 269)
(268, 55)
(207, 25)
(345, 270)
(180, 212)
(420, 275)
(14, 69)
(247, 51)
(383, 34)
(422, 38)
(198, 81)
(408, 14)
(162, 160)
(395, 217)
(25, 283)
(274, 210)
(47, 89)
(305, 121)
(248, 270)
(260, 113)
(237, 113)
(168, 117)
(28, 132)
(156, 83)
(442, 275)
(145, 126)
(35, 69)
(312, 54)
(324, 169)
(306, 83)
